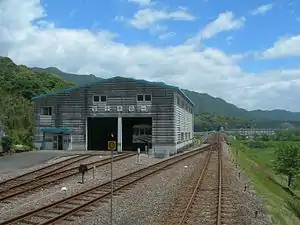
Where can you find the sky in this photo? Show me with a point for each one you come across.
(246, 52)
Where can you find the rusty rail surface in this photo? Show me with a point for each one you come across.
(219, 186)
(188, 207)
(27, 186)
(70, 208)
(200, 200)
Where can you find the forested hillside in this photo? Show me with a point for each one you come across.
(17, 85)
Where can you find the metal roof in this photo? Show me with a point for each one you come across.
(67, 90)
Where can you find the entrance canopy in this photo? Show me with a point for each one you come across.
(56, 129)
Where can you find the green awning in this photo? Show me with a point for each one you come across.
(56, 129)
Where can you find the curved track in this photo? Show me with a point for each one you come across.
(25, 187)
(70, 208)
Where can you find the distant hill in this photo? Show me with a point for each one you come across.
(79, 79)
(204, 103)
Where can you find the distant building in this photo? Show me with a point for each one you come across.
(251, 131)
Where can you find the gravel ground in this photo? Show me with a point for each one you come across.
(247, 202)
(54, 193)
(14, 169)
(26, 160)
(145, 203)
(7, 174)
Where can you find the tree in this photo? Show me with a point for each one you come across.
(6, 143)
(18, 84)
(287, 161)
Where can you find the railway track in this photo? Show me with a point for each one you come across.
(20, 187)
(4, 185)
(204, 204)
(203, 200)
(70, 208)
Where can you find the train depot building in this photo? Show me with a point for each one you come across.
(137, 113)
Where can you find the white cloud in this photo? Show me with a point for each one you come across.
(224, 22)
(141, 2)
(147, 18)
(208, 70)
(288, 46)
(261, 9)
(166, 35)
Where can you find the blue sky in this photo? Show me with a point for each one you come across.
(246, 52)
(260, 33)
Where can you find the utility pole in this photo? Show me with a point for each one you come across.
(112, 146)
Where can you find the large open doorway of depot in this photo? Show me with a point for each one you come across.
(136, 133)
(100, 130)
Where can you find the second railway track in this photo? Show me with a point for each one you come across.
(68, 209)
(20, 187)
(203, 199)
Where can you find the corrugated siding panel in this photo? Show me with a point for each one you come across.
(71, 109)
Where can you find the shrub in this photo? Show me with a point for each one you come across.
(6, 143)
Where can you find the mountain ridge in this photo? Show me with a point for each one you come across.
(204, 103)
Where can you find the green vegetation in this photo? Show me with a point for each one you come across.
(287, 161)
(6, 143)
(79, 79)
(267, 164)
(18, 85)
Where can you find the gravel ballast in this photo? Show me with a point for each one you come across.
(15, 165)
(246, 202)
(146, 202)
(53, 193)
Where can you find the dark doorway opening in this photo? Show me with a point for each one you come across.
(100, 130)
(60, 143)
(136, 133)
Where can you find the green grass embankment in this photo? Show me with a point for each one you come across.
(283, 206)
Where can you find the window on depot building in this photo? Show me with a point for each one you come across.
(140, 98)
(46, 111)
(96, 98)
(148, 98)
(103, 98)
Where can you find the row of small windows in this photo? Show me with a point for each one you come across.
(99, 98)
(181, 103)
(142, 98)
(139, 98)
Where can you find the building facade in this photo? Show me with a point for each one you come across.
(61, 118)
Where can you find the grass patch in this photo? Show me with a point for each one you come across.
(283, 205)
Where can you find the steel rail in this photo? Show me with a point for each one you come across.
(122, 181)
(185, 213)
(41, 171)
(42, 181)
(219, 186)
